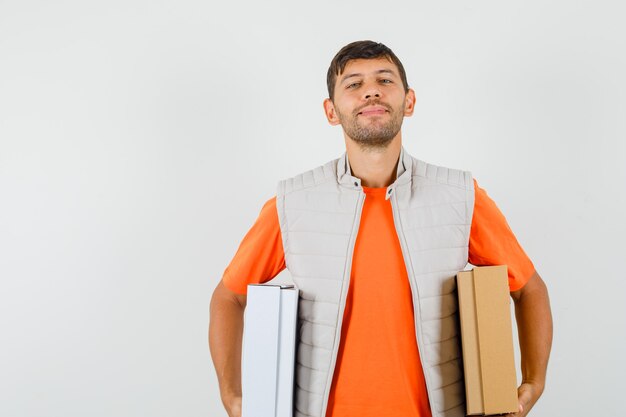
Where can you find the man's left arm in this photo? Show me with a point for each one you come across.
(534, 325)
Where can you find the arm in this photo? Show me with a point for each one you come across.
(534, 325)
(225, 339)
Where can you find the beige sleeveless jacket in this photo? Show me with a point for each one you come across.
(319, 213)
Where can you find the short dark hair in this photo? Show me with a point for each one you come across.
(360, 50)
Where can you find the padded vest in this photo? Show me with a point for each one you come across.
(319, 213)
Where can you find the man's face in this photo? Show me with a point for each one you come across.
(370, 102)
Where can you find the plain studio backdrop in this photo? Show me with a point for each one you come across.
(140, 139)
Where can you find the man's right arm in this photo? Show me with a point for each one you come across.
(259, 258)
(225, 340)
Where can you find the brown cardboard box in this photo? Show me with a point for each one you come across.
(487, 341)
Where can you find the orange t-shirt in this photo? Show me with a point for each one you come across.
(378, 370)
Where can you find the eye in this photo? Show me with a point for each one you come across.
(386, 81)
(353, 85)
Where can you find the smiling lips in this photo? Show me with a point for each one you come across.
(373, 111)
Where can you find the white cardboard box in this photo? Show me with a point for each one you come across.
(269, 350)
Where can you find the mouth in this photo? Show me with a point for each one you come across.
(373, 111)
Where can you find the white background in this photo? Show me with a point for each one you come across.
(140, 139)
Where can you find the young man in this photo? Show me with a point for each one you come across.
(373, 240)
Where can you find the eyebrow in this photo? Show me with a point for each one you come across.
(356, 74)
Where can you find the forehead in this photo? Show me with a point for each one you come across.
(368, 66)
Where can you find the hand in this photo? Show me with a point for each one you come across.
(233, 407)
(528, 393)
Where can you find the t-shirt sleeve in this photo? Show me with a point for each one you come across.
(260, 256)
(492, 241)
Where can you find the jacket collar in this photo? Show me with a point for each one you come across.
(403, 173)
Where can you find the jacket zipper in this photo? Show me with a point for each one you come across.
(342, 306)
(415, 296)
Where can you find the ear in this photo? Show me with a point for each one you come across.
(331, 113)
(409, 103)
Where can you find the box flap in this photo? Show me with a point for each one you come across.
(497, 363)
(471, 356)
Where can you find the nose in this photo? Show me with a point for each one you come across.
(372, 91)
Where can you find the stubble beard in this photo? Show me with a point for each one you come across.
(372, 134)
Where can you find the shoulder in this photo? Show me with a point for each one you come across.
(308, 179)
(268, 211)
(427, 173)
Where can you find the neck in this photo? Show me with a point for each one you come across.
(375, 167)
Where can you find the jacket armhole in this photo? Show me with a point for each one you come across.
(282, 218)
